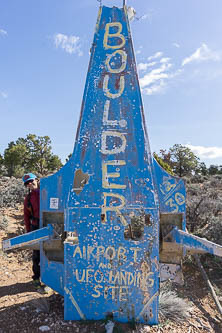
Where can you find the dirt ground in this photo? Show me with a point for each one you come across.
(24, 309)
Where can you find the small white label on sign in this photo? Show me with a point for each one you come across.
(54, 203)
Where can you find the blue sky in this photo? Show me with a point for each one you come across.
(44, 56)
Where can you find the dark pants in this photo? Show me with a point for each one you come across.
(35, 259)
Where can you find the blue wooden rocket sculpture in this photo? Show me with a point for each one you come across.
(111, 214)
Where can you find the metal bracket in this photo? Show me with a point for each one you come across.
(71, 238)
(194, 244)
(29, 239)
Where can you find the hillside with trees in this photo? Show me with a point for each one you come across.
(203, 187)
(181, 161)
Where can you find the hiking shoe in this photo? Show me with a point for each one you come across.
(37, 283)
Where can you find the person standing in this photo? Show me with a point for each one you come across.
(31, 218)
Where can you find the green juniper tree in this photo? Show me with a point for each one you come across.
(181, 160)
(31, 153)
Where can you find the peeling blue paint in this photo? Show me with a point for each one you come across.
(104, 208)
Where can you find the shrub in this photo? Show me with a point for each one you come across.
(173, 307)
(3, 223)
(12, 191)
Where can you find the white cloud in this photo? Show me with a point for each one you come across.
(159, 71)
(156, 80)
(206, 152)
(203, 53)
(144, 17)
(155, 56)
(139, 50)
(3, 94)
(71, 44)
(176, 45)
(3, 32)
(164, 60)
(155, 88)
(155, 75)
(143, 67)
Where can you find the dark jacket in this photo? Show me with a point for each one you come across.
(31, 209)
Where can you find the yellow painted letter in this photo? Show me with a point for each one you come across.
(116, 35)
(107, 175)
(114, 150)
(123, 62)
(106, 89)
(116, 209)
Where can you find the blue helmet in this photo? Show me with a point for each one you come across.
(28, 176)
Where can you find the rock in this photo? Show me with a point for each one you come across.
(44, 328)
(41, 304)
(22, 308)
(109, 326)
